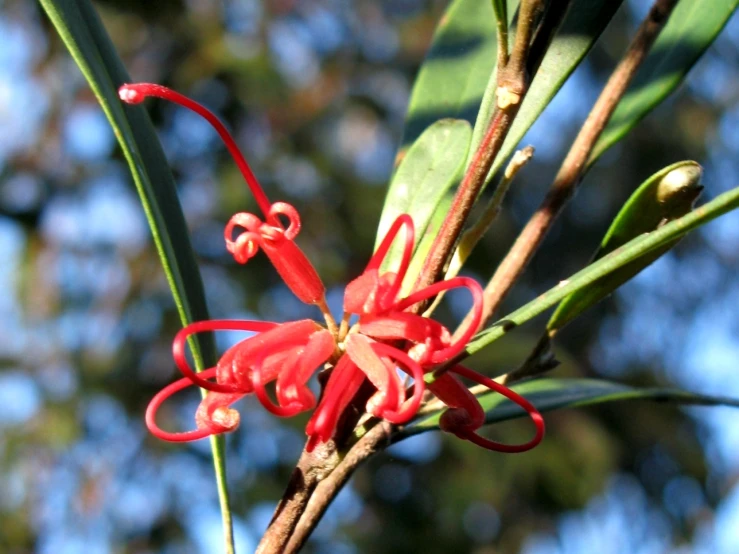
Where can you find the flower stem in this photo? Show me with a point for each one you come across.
(310, 470)
(328, 488)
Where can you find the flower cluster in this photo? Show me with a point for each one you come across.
(386, 336)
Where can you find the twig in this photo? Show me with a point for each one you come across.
(474, 234)
(540, 361)
(327, 490)
(512, 83)
(310, 470)
(571, 171)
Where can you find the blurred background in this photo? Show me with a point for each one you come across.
(316, 92)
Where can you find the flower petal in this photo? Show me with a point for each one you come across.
(180, 343)
(291, 382)
(409, 408)
(404, 325)
(343, 384)
(278, 339)
(295, 269)
(381, 374)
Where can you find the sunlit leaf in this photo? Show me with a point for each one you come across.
(453, 76)
(551, 394)
(691, 29)
(429, 169)
(89, 44)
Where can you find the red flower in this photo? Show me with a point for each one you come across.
(425, 343)
(385, 337)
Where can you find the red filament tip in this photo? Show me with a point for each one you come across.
(130, 95)
(135, 94)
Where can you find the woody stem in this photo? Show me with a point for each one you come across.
(576, 162)
(513, 83)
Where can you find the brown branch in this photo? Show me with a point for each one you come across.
(327, 490)
(311, 469)
(572, 169)
(512, 83)
(312, 495)
(308, 473)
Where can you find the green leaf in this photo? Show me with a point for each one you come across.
(631, 251)
(500, 8)
(551, 394)
(453, 76)
(691, 29)
(581, 27)
(429, 169)
(666, 195)
(89, 44)
(426, 240)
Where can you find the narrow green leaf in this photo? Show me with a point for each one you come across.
(581, 27)
(692, 27)
(607, 264)
(427, 239)
(552, 394)
(429, 169)
(500, 8)
(89, 44)
(666, 195)
(453, 76)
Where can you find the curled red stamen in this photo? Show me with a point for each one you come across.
(292, 215)
(475, 289)
(137, 92)
(374, 292)
(277, 242)
(288, 259)
(409, 239)
(468, 432)
(180, 343)
(224, 420)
